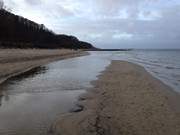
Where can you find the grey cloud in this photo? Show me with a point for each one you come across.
(63, 11)
(156, 33)
(33, 2)
(97, 21)
(110, 7)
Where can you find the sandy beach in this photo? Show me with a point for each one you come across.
(16, 61)
(125, 100)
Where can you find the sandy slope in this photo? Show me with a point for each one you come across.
(126, 100)
(15, 61)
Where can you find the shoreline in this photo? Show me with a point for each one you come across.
(30, 59)
(126, 99)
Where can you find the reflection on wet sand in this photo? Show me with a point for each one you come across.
(29, 74)
(1, 99)
(31, 102)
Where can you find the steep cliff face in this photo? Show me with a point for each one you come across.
(19, 32)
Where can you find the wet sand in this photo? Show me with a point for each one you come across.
(32, 101)
(16, 61)
(125, 100)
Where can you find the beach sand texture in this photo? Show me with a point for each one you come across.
(16, 61)
(125, 100)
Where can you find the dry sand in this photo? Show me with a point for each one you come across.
(125, 100)
(16, 61)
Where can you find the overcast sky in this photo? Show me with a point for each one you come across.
(108, 23)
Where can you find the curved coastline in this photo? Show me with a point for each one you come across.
(29, 63)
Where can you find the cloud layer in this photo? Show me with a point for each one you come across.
(108, 23)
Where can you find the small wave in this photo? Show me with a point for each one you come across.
(176, 84)
(148, 63)
(156, 72)
(154, 61)
(169, 67)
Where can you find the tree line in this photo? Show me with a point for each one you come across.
(19, 32)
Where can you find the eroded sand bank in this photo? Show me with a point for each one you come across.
(125, 100)
(15, 61)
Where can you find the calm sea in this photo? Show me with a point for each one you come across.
(163, 64)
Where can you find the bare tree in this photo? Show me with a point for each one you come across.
(1, 4)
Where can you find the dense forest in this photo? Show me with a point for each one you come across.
(19, 32)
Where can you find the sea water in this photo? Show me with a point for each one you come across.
(30, 103)
(163, 64)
